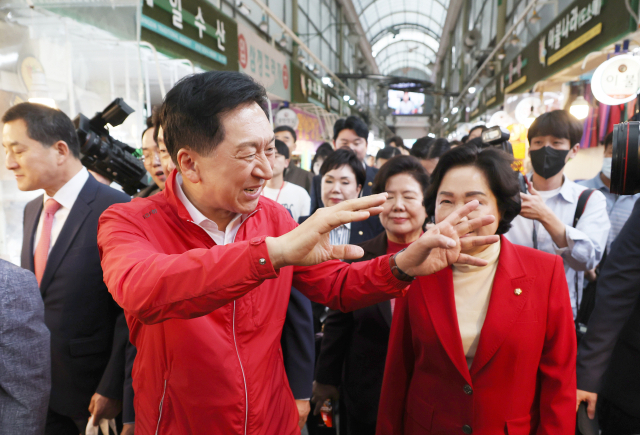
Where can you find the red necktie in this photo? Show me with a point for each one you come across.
(42, 250)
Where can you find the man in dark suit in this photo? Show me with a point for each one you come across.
(609, 353)
(60, 247)
(351, 133)
(25, 364)
(293, 174)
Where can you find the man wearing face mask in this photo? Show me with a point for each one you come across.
(546, 221)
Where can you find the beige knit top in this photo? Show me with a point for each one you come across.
(472, 290)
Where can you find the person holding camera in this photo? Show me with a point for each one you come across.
(481, 349)
(547, 220)
(88, 332)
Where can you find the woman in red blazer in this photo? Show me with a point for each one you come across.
(483, 350)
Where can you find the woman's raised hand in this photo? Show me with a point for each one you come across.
(442, 245)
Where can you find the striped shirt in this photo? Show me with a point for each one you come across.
(340, 235)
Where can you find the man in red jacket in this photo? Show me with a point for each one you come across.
(204, 270)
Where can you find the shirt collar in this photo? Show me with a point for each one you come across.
(567, 190)
(196, 216)
(66, 196)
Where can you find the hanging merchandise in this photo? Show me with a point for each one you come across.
(617, 80)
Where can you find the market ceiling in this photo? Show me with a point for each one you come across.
(404, 34)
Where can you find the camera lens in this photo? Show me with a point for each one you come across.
(625, 164)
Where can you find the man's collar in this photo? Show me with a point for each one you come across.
(196, 216)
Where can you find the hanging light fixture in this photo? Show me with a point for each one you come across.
(264, 25)
(501, 54)
(301, 59)
(534, 18)
(529, 119)
(282, 42)
(346, 97)
(580, 108)
(352, 102)
(514, 39)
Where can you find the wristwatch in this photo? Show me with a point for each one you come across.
(396, 271)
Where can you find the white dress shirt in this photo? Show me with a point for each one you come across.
(340, 235)
(66, 197)
(210, 227)
(585, 243)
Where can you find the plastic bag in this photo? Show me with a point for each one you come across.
(103, 427)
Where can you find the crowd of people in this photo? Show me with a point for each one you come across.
(241, 294)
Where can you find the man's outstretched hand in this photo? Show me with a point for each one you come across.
(442, 244)
(436, 249)
(309, 243)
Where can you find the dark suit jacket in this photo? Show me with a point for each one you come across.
(316, 192)
(299, 177)
(25, 358)
(354, 349)
(613, 334)
(298, 345)
(87, 351)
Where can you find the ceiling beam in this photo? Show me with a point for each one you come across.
(365, 46)
(449, 24)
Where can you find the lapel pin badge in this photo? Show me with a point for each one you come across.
(518, 292)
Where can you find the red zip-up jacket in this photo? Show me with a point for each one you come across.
(207, 319)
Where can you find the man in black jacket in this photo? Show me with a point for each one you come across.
(60, 247)
(352, 133)
(293, 174)
(609, 353)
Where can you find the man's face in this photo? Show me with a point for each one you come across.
(280, 164)
(477, 132)
(34, 165)
(231, 178)
(287, 138)
(348, 138)
(165, 158)
(152, 158)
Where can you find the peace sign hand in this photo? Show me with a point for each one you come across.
(441, 245)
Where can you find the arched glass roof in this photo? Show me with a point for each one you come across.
(403, 33)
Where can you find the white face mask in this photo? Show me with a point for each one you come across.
(606, 167)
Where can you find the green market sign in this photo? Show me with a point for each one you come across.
(191, 29)
(583, 27)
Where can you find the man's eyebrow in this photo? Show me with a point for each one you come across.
(254, 143)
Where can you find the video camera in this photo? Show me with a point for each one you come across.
(625, 164)
(105, 155)
(498, 137)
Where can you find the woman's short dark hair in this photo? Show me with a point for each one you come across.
(192, 110)
(558, 123)
(495, 164)
(351, 123)
(282, 149)
(401, 165)
(45, 125)
(345, 157)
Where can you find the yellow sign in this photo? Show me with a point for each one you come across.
(521, 81)
(587, 36)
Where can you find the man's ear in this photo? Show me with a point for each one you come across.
(62, 150)
(573, 152)
(187, 165)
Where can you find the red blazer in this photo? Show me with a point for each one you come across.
(523, 376)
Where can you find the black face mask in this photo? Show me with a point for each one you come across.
(548, 161)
